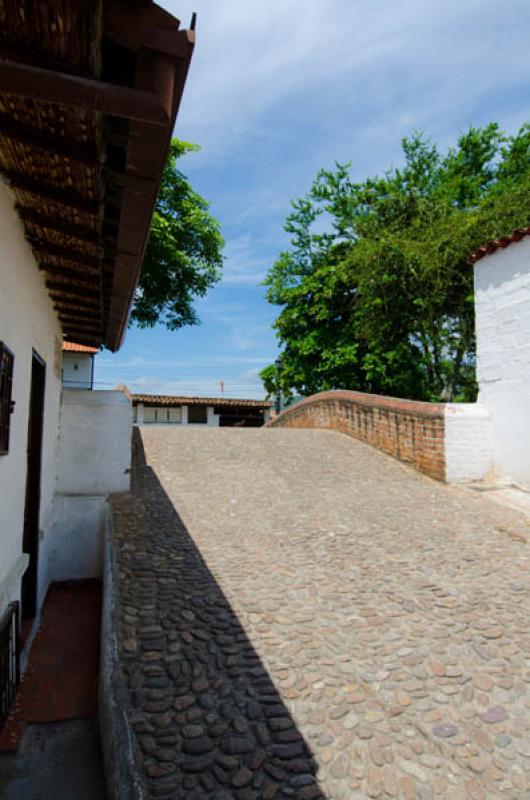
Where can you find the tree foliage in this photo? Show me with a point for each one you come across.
(183, 258)
(376, 292)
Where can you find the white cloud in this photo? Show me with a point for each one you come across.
(240, 387)
(246, 384)
(412, 57)
(279, 89)
(244, 263)
(111, 362)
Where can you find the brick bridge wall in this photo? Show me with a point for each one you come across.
(406, 429)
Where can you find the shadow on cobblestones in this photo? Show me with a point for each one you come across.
(208, 718)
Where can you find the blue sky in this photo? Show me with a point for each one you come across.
(278, 90)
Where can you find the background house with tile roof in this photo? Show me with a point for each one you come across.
(155, 409)
(78, 366)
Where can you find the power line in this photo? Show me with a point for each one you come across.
(194, 389)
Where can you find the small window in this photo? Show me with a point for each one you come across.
(6, 402)
(149, 414)
(197, 415)
(160, 415)
(174, 415)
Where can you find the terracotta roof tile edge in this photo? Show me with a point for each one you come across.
(170, 400)
(72, 347)
(499, 244)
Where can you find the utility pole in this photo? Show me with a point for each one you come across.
(278, 363)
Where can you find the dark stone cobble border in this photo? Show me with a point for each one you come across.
(120, 753)
(206, 716)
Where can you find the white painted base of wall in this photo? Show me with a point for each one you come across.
(72, 549)
(10, 584)
(468, 442)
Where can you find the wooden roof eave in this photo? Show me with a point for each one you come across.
(146, 153)
(163, 56)
(26, 80)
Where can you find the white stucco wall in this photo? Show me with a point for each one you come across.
(71, 549)
(94, 461)
(27, 321)
(77, 370)
(502, 307)
(95, 442)
(468, 442)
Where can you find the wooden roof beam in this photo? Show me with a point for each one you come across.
(147, 28)
(62, 303)
(71, 229)
(25, 80)
(75, 327)
(86, 154)
(69, 312)
(148, 146)
(47, 248)
(60, 295)
(78, 293)
(88, 278)
(63, 197)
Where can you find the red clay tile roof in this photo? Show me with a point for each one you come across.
(498, 244)
(170, 400)
(70, 347)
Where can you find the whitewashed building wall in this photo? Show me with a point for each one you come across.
(77, 370)
(86, 435)
(502, 307)
(27, 321)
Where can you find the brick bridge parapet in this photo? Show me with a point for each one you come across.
(409, 430)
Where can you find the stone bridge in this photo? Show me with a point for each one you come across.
(303, 616)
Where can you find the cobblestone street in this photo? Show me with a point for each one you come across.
(303, 616)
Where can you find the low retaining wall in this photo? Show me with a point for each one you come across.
(449, 442)
(123, 777)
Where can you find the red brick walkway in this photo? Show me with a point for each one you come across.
(60, 682)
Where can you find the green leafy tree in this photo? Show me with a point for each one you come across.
(183, 258)
(382, 300)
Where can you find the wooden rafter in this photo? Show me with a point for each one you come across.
(74, 231)
(87, 278)
(67, 312)
(87, 327)
(25, 80)
(88, 297)
(86, 154)
(72, 294)
(47, 248)
(63, 197)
